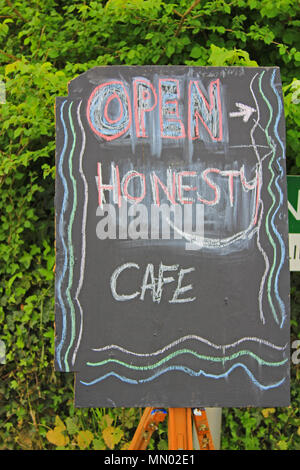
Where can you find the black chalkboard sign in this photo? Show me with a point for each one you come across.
(172, 276)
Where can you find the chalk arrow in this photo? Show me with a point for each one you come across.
(296, 213)
(244, 111)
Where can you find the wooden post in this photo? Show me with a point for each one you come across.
(180, 431)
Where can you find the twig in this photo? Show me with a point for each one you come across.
(177, 13)
(10, 56)
(39, 43)
(188, 11)
(15, 10)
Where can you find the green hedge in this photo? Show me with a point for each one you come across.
(43, 45)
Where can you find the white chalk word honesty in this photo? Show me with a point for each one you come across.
(171, 206)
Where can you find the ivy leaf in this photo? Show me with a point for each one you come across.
(56, 437)
(106, 421)
(71, 425)
(84, 438)
(112, 436)
(98, 444)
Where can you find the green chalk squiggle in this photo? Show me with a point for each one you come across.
(71, 259)
(189, 351)
(269, 285)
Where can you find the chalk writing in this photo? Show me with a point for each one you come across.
(155, 286)
(173, 186)
(109, 109)
(171, 221)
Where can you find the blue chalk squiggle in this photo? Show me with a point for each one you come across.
(282, 245)
(61, 234)
(187, 371)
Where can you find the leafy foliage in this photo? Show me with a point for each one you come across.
(43, 45)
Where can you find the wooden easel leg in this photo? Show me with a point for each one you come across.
(180, 428)
(180, 431)
(202, 429)
(147, 425)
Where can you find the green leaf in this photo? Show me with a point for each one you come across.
(170, 49)
(112, 436)
(56, 437)
(196, 52)
(283, 445)
(84, 438)
(98, 444)
(71, 424)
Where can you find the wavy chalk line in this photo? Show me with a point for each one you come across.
(70, 263)
(61, 235)
(269, 287)
(193, 337)
(70, 246)
(83, 233)
(189, 372)
(260, 248)
(193, 353)
(282, 245)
